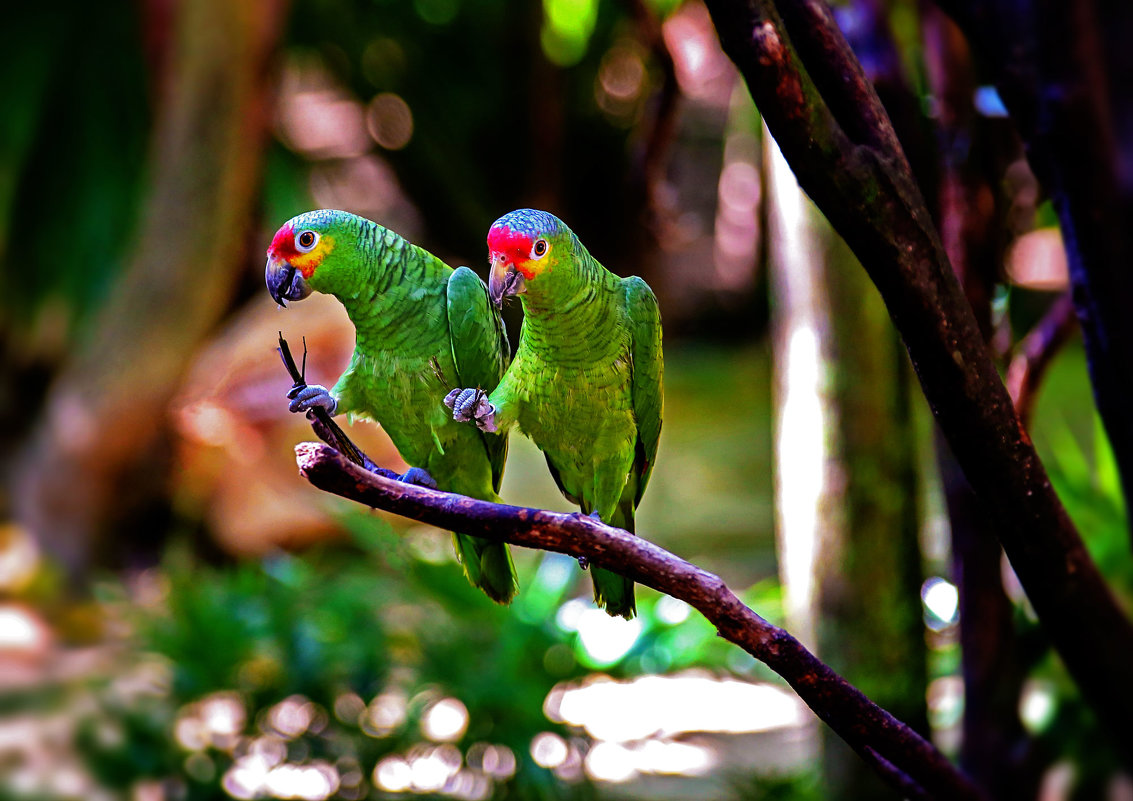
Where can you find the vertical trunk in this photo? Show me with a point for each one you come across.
(97, 459)
(804, 473)
(846, 474)
(872, 629)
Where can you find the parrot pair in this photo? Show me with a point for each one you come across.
(585, 384)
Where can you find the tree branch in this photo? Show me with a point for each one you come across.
(844, 156)
(995, 749)
(901, 756)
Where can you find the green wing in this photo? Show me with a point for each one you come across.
(480, 349)
(648, 368)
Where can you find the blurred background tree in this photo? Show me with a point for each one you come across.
(182, 617)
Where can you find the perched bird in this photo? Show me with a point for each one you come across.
(408, 308)
(585, 383)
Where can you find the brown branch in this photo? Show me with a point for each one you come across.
(1035, 353)
(843, 154)
(995, 748)
(900, 755)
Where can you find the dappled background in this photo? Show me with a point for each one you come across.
(183, 617)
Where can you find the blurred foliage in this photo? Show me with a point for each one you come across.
(384, 623)
(474, 154)
(71, 156)
(336, 624)
(1069, 435)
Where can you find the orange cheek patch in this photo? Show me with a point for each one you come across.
(306, 263)
(529, 268)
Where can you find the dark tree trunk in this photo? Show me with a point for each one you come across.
(833, 131)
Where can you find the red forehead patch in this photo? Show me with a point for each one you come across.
(283, 244)
(515, 245)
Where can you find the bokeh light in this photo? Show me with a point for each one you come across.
(1038, 704)
(22, 631)
(445, 721)
(567, 26)
(672, 610)
(606, 639)
(384, 714)
(389, 121)
(316, 117)
(703, 71)
(549, 750)
(291, 717)
(19, 558)
(621, 81)
(666, 706)
(393, 774)
(941, 602)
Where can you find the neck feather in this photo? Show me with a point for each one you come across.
(389, 280)
(576, 314)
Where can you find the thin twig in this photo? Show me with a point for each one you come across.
(327, 429)
(900, 755)
(1035, 353)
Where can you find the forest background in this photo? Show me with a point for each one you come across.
(184, 616)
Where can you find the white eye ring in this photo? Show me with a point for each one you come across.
(305, 241)
(539, 249)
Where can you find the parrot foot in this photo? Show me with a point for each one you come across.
(418, 476)
(584, 561)
(472, 405)
(306, 397)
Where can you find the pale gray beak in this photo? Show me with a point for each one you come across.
(504, 280)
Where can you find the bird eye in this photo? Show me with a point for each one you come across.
(540, 247)
(306, 241)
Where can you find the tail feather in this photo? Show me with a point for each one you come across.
(488, 566)
(612, 592)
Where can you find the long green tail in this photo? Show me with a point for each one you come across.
(612, 592)
(488, 566)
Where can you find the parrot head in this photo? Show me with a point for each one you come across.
(298, 249)
(524, 248)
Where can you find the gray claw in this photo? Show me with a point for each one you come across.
(419, 477)
(463, 403)
(311, 396)
(472, 405)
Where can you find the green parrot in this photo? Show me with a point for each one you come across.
(408, 308)
(585, 383)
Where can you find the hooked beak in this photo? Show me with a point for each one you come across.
(284, 281)
(504, 280)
